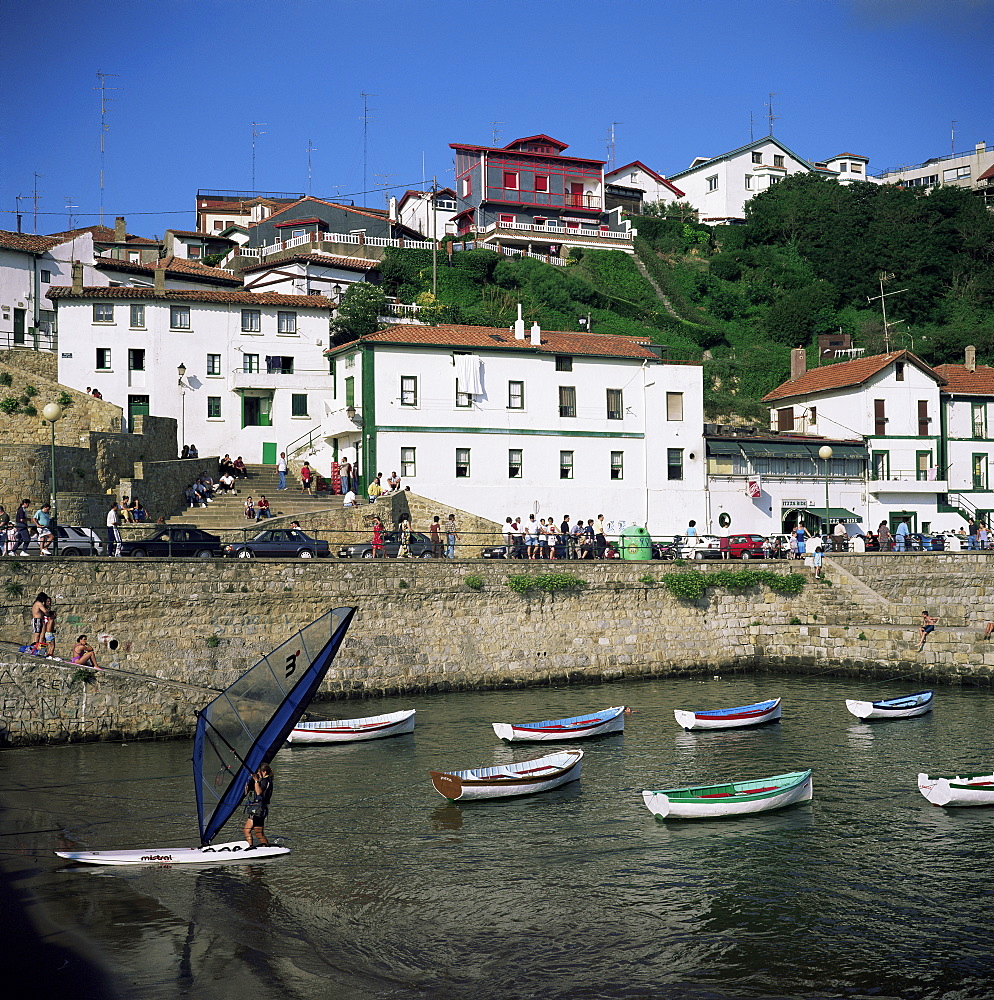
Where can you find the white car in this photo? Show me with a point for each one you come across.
(694, 546)
(73, 542)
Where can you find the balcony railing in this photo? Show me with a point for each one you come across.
(356, 239)
(584, 201)
(278, 378)
(559, 232)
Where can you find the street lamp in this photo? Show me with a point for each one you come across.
(52, 412)
(181, 372)
(825, 452)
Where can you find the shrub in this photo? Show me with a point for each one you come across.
(690, 585)
(794, 621)
(10, 405)
(213, 641)
(30, 391)
(6, 378)
(549, 583)
(648, 580)
(83, 676)
(474, 582)
(862, 636)
(13, 589)
(65, 400)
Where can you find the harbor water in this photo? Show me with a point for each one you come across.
(393, 892)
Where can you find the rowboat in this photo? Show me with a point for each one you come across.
(352, 730)
(729, 718)
(610, 720)
(524, 778)
(958, 790)
(733, 798)
(892, 708)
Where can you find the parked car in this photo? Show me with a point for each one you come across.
(73, 542)
(746, 546)
(176, 541)
(494, 552)
(285, 543)
(420, 547)
(700, 547)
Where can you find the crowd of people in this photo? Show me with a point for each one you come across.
(542, 538)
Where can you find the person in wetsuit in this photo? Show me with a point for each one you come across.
(260, 789)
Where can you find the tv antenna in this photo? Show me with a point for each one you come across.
(35, 197)
(104, 100)
(495, 132)
(18, 198)
(611, 146)
(884, 277)
(771, 117)
(311, 148)
(255, 135)
(952, 138)
(69, 207)
(385, 184)
(365, 134)
(752, 126)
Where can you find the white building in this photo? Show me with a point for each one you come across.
(505, 422)
(635, 185)
(254, 369)
(310, 274)
(971, 170)
(427, 212)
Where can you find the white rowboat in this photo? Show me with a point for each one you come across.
(374, 727)
(609, 720)
(527, 777)
(729, 718)
(958, 790)
(905, 707)
(732, 798)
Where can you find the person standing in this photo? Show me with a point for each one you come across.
(971, 534)
(818, 560)
(883, 537)
(378, 551)
(903, 531)
(43, 522)
(281, 470)
(260, 788)
(926, 628)
(435, 531)
(348, 483)
(114, 530)
(404, 552)
(22, 519)
(982, 536)
(723, 541)
(839, 537)
(531, 536)
(305, 478)
(39, 611)
(801, 533)
(600, 537)
(451, 536)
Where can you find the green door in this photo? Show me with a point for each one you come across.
(268, 452)
(19, 326)
(137, 407)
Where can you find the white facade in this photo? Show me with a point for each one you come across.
(654, 187)
(419, 212)
(513, 448)
(255, 370)
(850, 168)
(310, 274)
(959, 170)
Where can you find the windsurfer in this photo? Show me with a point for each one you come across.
(260, 787)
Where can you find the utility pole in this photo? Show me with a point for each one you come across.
(752, 127)
(310, 149)
(883, 296)
(255, 135)
(104, 99)
(365, 137)
(434, 237)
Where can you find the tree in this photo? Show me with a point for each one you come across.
(359, 312)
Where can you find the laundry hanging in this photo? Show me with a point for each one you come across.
(468, 372)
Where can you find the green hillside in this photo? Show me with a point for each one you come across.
(738, 298)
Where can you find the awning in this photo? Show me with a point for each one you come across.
(834, 513)
(723, 448)
(776, 449)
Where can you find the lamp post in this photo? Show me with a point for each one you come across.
(52, 412)
(181, 372)
(825, 453)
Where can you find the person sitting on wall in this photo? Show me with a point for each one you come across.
(393, 482)
(126, 511)
(185, 453)
(193, 451)
(239, 468)
(349, 499)
(191, 496)
(375, 490)
(140, 513)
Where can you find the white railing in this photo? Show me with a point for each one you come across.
(353, 238)
(402, 309)
(514, 252)
(557, 231)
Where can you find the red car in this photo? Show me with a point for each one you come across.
(739, 547)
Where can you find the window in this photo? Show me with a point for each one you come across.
(298, 404)
(511, 180)
(138, 316)
(879, 417)
(251, 320)
(462, 463)
(350, 391)
(134, 256)
(615, 405)
(956, 173)
(214, 364)
(923, 418)
(179, 317)
(757, 157)
(748, 182)
(923, 462)
(617, 465)
(194, 251)
(979, 421)
(513, 463)
(467, 186)
(843, 167)
(286, 322)
(775, 180)
(785, 418)
(674, 463)
(515, 395)
(778, 161)
(136, 359)
(567, 401)
(564, 363)
(278, 364)
(899, 371)
(213, 407)
(541, 183)
(250, 363)
(46, 276)
(566, 465)
(507, 220)
(408, 463)
(980, 472)
(713, 182)
(408, 390)
(812, 414)
(856, 168)
(103, 359)
(103, 312)
(463, 399)
(674, 406)
(880, 465)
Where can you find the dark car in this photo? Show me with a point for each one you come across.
(494, 552)
(419, 544)
(285, 543)
(177, 541)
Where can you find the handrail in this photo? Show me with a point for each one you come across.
(299, 444)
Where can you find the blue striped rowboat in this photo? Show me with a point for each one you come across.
(892, 708)
(610, 720)
(729, 718)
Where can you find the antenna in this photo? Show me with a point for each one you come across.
(104, 99)
(365, 134)
(883, 277)
(34, 199)
(255, 135)
(311, 148)
(17, 202)
(495, 132)
(610, 146)
(769, 112)
(752, 127)
(952, 138)
(385, 184)
(69, 207)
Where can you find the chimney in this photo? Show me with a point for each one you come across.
(77, 276)
(970, 362)
(536, 332)
(160, 281)
(120, 230)
(981, 146)
(519, 326)
(798, 362)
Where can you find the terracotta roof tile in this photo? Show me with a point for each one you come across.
(65, 292)
(960, 380)
(348, 263)
(844, 374)
(104, 234)
(27, 242)
(369, 213)
(171, 265)
(498, 337)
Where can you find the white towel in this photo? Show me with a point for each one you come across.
(468, 374)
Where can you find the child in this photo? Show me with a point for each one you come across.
(818, 558)
(927, 626)
(82, 654)
(48, 630)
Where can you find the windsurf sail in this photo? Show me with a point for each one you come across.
(248, 722)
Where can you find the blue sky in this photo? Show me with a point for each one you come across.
(878, 77)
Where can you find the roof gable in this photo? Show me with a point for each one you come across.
(706, 164)
(652, 173)
(304, 202)
(27, 242)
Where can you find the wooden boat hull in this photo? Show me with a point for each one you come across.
(892, 708)
(957, 790)
(729, 718)
(506, 781)
(375, 727)
(611, 720)
(738, 798)
(235, 852)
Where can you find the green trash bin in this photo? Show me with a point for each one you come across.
(635, 544)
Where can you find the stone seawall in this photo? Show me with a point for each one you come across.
(187, 628)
